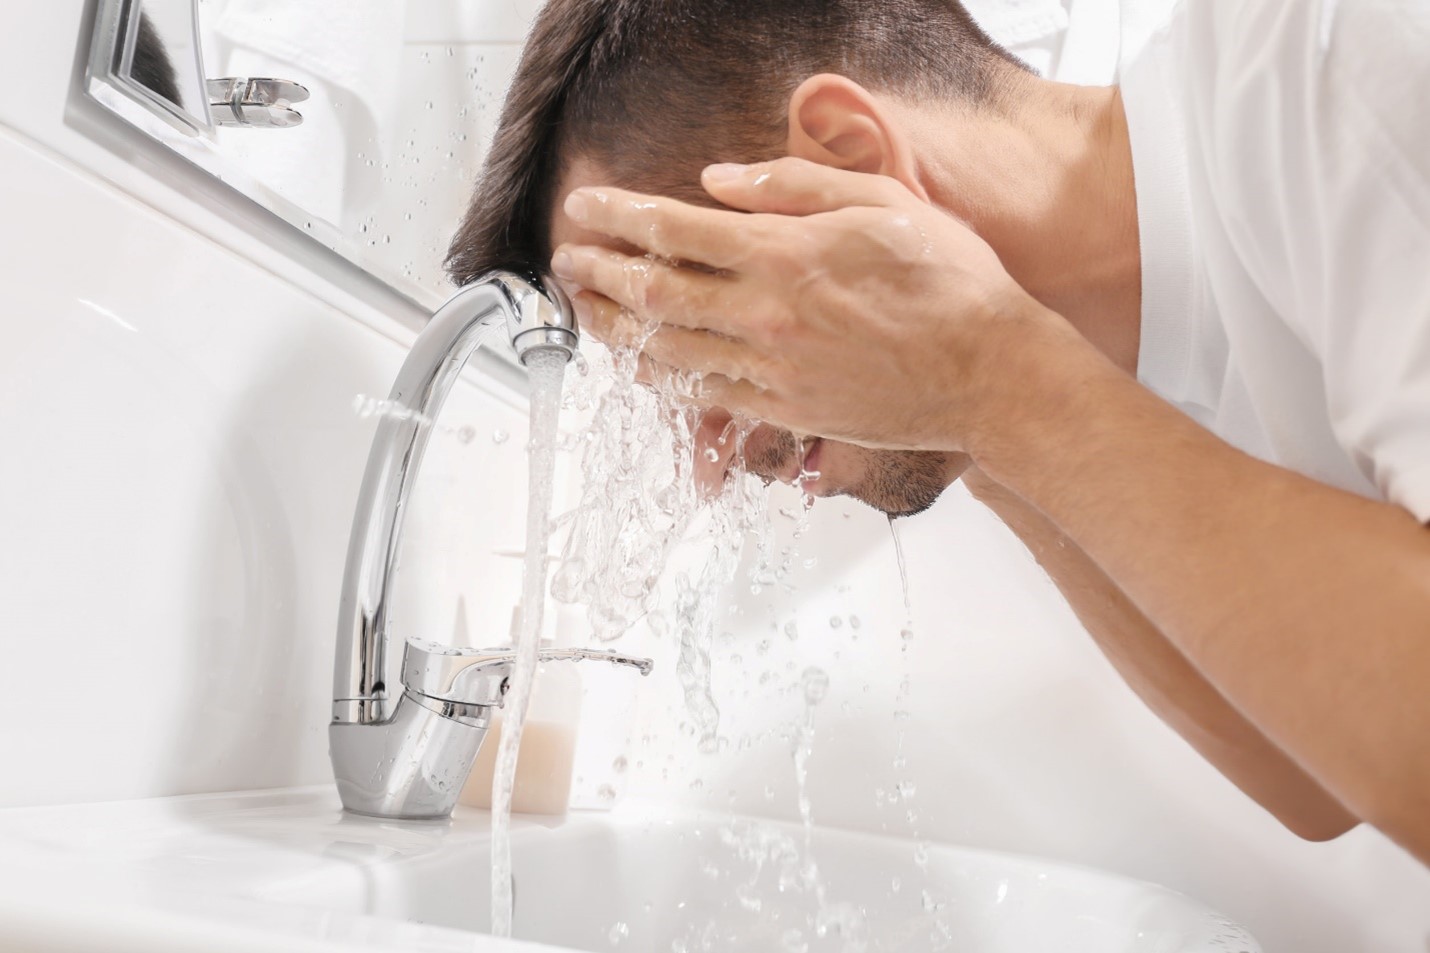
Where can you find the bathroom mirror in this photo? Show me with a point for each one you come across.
(362, 124)
(149, 51)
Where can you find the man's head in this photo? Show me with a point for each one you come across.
(643, 94)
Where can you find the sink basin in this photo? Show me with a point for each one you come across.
(288, 871)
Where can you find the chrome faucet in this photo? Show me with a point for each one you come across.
(404, 748)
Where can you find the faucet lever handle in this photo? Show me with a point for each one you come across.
(479, 676)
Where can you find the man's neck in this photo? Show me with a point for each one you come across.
(1050, 188)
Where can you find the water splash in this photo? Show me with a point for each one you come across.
(365, 407)
(815, 683)
(639, 502)
(546, 368)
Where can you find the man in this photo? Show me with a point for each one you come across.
(1175, 332)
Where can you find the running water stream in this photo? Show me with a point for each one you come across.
(546, 366)
(907, 633)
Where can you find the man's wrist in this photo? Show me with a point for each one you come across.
(1030, 376)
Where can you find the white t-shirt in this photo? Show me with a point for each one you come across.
(1281, 150)
(1071, 41)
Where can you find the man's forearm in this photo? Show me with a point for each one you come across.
(1164, 679)
(1307, 607)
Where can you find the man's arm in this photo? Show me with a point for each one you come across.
(846, 307)
(1164, 679)
(1307, 607)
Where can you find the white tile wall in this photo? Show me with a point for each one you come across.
(182, 459)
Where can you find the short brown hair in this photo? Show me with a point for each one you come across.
(654, 90)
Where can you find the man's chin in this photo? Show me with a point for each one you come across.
(892, 508)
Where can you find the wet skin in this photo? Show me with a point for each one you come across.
(895, 482)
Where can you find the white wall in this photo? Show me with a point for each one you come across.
(180, 460)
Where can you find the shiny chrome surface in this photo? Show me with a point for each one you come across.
(478, 676)
(538, 316)
(413, 765)
(409, 758)
(255, 101)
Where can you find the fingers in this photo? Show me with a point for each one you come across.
(793, 186)
(662, 226)
(713, 391)
(667, 345)
(663, 293)
(739, 397)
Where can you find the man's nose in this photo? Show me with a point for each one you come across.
(713, 458)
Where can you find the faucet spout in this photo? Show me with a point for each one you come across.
(405, 731)
(534, 315)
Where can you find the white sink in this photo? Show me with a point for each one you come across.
(287, 871)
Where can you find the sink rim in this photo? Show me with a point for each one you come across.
(115, 836)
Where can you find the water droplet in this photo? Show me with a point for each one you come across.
(907, 789)
(835, 622)
(712, 455)
(466, 434)
(907, 635)
(816, 685)
(793, 941)
(619, 931)
(500, 436)
(620, 764)
(791, 630)
(606, 792)
(811, 562)
(854, 622)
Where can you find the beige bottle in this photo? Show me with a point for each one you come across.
(548, 745)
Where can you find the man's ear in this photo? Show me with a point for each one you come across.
(836, 122)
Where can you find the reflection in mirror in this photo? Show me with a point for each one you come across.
(160, 56)
(403, 98)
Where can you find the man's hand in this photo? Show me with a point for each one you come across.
(843, 306)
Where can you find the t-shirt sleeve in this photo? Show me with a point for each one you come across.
(1342, 91)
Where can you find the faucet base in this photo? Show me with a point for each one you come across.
(411, 766)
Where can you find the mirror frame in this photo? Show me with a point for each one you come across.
(115, 24)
